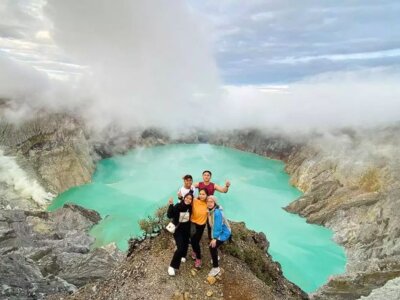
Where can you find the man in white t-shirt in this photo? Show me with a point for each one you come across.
(187, 187)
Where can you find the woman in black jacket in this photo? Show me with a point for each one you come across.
(180, 215)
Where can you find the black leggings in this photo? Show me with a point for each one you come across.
(181, 235)
(214, 253)
(196, 238)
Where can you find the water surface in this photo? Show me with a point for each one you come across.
(127, 188)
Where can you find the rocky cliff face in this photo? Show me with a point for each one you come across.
(50, 152)
(48, 252)
(41, 252)
(351, 184)
(255, 141)
(354, 190)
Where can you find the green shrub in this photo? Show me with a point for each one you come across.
(152, 225)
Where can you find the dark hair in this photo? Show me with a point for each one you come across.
(188, 194)
(206, 171)
(204, 191)
(188, 176)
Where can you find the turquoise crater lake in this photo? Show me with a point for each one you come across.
(127, 188)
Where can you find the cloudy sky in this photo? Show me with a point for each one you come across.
(284, 41)
(254, 42)
(279, 59)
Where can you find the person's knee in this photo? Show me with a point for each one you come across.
(180, 251)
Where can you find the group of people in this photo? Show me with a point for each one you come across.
(196, 210)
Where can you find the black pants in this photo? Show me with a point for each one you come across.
(181, 236)
(196, 238)
(214, 253)
(209, 230)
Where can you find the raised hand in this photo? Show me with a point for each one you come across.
(171, 201)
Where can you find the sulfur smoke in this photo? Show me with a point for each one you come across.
(12, 175)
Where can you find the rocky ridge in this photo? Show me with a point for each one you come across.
(391, 290)
(47, 252)
(351, 184)
(248, 273)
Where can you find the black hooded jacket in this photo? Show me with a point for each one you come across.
(179, 213)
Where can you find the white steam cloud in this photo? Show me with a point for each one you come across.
(344, 99)
(28, 91)
(147, 63)
(12, 175)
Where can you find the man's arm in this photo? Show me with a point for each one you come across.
(224, 189)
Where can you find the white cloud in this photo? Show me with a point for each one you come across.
(144, 60)
(43, 35)
(118, 65)
(333, 100)
(286, 40)
(262, 16)
(339, 57)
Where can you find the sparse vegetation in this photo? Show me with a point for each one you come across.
(152, 225)
(242, 247)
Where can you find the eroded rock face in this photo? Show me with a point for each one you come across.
(252, 140)
(21, 278)
(46, 252)
(49, 252)
(356, 193)
(252, 248)
(351, 184)
(51, 149)
(113, 141)
(391, 290)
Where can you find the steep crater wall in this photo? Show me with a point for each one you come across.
(51, 150)
(43, 252)
(351, 184)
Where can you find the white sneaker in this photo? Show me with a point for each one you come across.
(171, 271)
(214, 272)
(183, 259)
